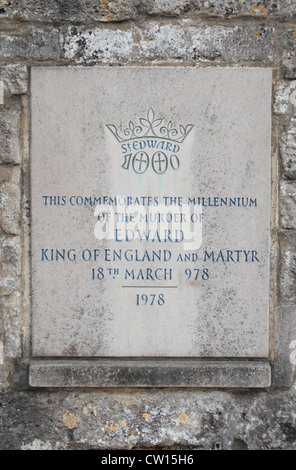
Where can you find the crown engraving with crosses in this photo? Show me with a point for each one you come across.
(153, 143)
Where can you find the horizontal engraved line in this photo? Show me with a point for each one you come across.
(149, 287)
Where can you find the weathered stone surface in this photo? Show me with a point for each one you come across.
(263, 9)
(1, 93)
(10, 313)
(143, 373)
(288, 150)
(71, 10)
(234, 44)
(223, 8)
(15, 78)
(33, 45)
(285, 357)
(10, 199)
(1, 338)
(270, 417)
(157, 419)
(110, 420)
(282, 99)
(10, 151)
(119, 10)
(173, 7)
(169, 42)
(287, 277)
(288, 204)
(5, 133)
(288, 44)
(10, 255)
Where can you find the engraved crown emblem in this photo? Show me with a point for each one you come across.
(150, 127)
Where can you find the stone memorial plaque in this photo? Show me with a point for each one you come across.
(150, 193)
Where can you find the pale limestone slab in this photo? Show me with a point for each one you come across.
(77, 155)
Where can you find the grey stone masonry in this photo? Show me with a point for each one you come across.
(31, 45)
(4, 141)
(10, 195)
(10, 152)
(285, 352)
(177, 42)
(288, 149)
(287, 44)
(10, 254)
(224, 8)
(282, 101)
(119, 10)
(15, 78)
(288, 203)
(158, 419)
(11, 324)
(71, 10)
(287, 276)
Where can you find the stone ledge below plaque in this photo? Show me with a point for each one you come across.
(150, 373)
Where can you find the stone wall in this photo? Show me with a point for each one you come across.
(199, 33)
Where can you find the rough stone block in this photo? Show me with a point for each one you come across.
(4, 141)
(152, 419)
(99, 420)
(33, 45)
(2, 377)
(70, 10)
(1, 93)
(10, 255)
(287, 45)
(282, 99)
(10, 199)
(287, 278)
(173, 7)
(99, 45)
(119, 10)
(15, 78)
(170, 42)
(263, 9)
(285, 352)
(10, 312)
(144, 373)
(1, 337)
(288, 204)
(288, 150)
(223, 8)
(10, 151)
(234, 44)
